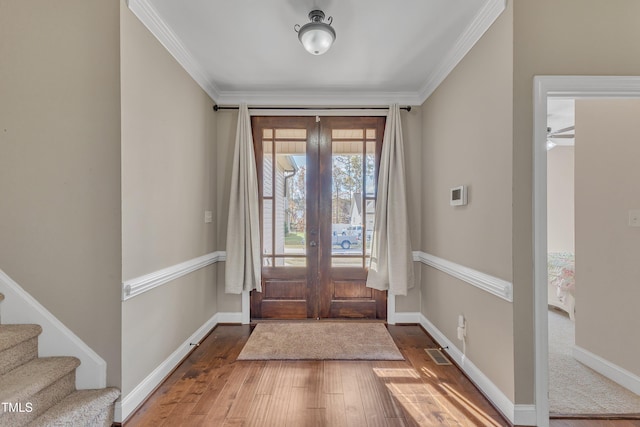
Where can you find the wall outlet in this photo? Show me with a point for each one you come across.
(462, 328)
(208, 216)
(634, 218)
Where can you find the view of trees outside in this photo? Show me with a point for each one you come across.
(347, 181)
(353, 167)
(296, 194)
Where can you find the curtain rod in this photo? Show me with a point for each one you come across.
(217, 107)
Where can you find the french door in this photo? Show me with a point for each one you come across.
(317, 184)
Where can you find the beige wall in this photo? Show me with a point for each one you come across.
(467, 141)
(168, 135)
(227, 121)
(168, 181)
(157, 323)
(60, 163)
(413, 143)
(554, 37)
(607, 248)
(560, 207)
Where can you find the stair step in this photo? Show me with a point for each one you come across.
(11, 335)
(82, 408)
(38, 384)
(18, 345)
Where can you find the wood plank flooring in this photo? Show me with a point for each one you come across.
(211, 388)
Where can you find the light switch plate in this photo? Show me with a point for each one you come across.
(634, 218)
(208, 216)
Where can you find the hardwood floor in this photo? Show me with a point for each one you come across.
(211, 388)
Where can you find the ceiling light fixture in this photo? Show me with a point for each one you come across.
(316, 36)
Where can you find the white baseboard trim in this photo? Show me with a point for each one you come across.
(615, 373)
(525, 413)
(56, 339)
(147, 282)
(132, 400)
(493, 285)
(246, 307)
(229, 318)
(394, 317)
(406, 317)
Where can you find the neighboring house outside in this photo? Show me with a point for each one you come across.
(285, 167)
(356, 209)
(356, 214)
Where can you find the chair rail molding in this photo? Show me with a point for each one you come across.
(147, 282)
(495, 286)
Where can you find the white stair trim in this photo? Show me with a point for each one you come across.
(615, 373)
(20, 307)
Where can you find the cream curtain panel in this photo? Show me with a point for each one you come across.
(391, 255)
(243, 270)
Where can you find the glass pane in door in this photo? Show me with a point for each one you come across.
(284, 197)
(289, 198)
(347, 198)
(286, 159)
(353, 195)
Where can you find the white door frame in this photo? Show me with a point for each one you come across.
(543, 88)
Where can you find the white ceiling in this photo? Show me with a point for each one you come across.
(385, 51)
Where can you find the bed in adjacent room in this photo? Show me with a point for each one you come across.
(561, 281)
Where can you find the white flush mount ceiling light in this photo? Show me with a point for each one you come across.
(316, 36)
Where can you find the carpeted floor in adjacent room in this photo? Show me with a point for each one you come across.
(573, 387)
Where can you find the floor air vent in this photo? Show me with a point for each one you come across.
(437, 356)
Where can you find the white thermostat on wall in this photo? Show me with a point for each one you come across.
(458, 196)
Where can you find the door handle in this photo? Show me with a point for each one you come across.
(313, 244)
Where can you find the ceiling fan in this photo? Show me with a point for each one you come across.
(564, 133)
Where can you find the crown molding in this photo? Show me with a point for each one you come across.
(148, 15)
(476, 29)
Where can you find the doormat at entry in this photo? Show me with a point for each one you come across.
(320, 341)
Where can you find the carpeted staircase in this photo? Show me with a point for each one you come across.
(40, 391)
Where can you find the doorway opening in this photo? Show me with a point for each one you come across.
(576, 87)
(317, 188)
